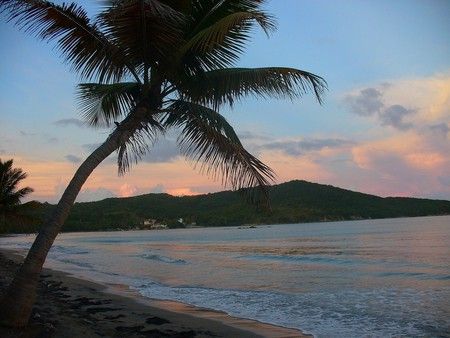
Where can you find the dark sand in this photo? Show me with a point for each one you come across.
(69, 307)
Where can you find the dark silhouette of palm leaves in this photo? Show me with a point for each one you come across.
(101, 104)
(162, 64)
(207, 138)
(224, 86)
(153, 65)
(85, 48)
(10, 193)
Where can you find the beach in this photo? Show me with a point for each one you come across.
(358, 278)
(72, 307)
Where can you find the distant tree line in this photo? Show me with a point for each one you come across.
(291, 202)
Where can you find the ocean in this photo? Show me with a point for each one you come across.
(376, 278)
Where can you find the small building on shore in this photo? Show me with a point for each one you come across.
(152, 224)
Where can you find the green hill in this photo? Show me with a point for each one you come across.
(291, 202)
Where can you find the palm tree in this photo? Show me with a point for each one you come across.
(10, 194)
(154, 65)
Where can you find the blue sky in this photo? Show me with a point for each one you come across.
(383, 127)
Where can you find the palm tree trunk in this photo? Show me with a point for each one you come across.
(16, 305)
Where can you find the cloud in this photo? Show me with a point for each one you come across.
(88, 195)
(445, 180)
(288, 168)
(24, 133)
(366, 103)
(70, 122)
(157, 189)
(44, 176)
(441, 129)
(429, 96)
(414, 162)
(252, 136)
(185, 191)
(369, 102)
(393, 116)
(49, 179)
(127, 190)
(297, 148)
(164, 150)
(405, 164)
(72, 158)
(405, 104)
(411, 157)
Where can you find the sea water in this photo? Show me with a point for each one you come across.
(375, 278)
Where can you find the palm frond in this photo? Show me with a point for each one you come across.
(227, 85)
(10, 178)
(209, 11)
(156, 8)
(208, 139)
(81, 42)
(218, 32)
(145, 29)
(102, 104)
(138, 144)
(222, 43)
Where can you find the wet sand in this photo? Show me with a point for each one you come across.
(69, 307)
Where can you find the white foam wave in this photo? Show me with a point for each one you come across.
(380, 313)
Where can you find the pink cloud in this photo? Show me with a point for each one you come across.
(408, 164)
(183, 191)
(301, 167)
(426, 161)
(127, 190)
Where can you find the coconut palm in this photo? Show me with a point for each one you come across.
(153, 65)
(10, 194)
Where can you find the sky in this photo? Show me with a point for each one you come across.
(383, 128)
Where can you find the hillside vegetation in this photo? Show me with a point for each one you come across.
(291, 202)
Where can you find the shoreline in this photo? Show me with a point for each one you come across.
(69, 306)
(243, 226)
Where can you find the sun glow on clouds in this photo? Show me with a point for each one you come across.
(49, 179)
(403, 104)
(176, 178)
(126, 190)
(288, 168)
(410, 148)
(182, 192)
(426, 160)
(414, 160)
(43, 176)
(405, 152)
(365, 154)
(430, 96)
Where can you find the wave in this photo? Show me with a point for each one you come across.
(354, 261)
(75, 262)
(67, 250)
(163, 259)
(417, 275)
(301, 259)
(350, 313)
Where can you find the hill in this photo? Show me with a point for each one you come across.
(291, 202)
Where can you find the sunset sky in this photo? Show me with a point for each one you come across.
(383, 128)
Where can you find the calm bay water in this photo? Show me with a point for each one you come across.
(346, 279)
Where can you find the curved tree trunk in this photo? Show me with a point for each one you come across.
(16, 305)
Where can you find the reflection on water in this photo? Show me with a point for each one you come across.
(376, 277)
